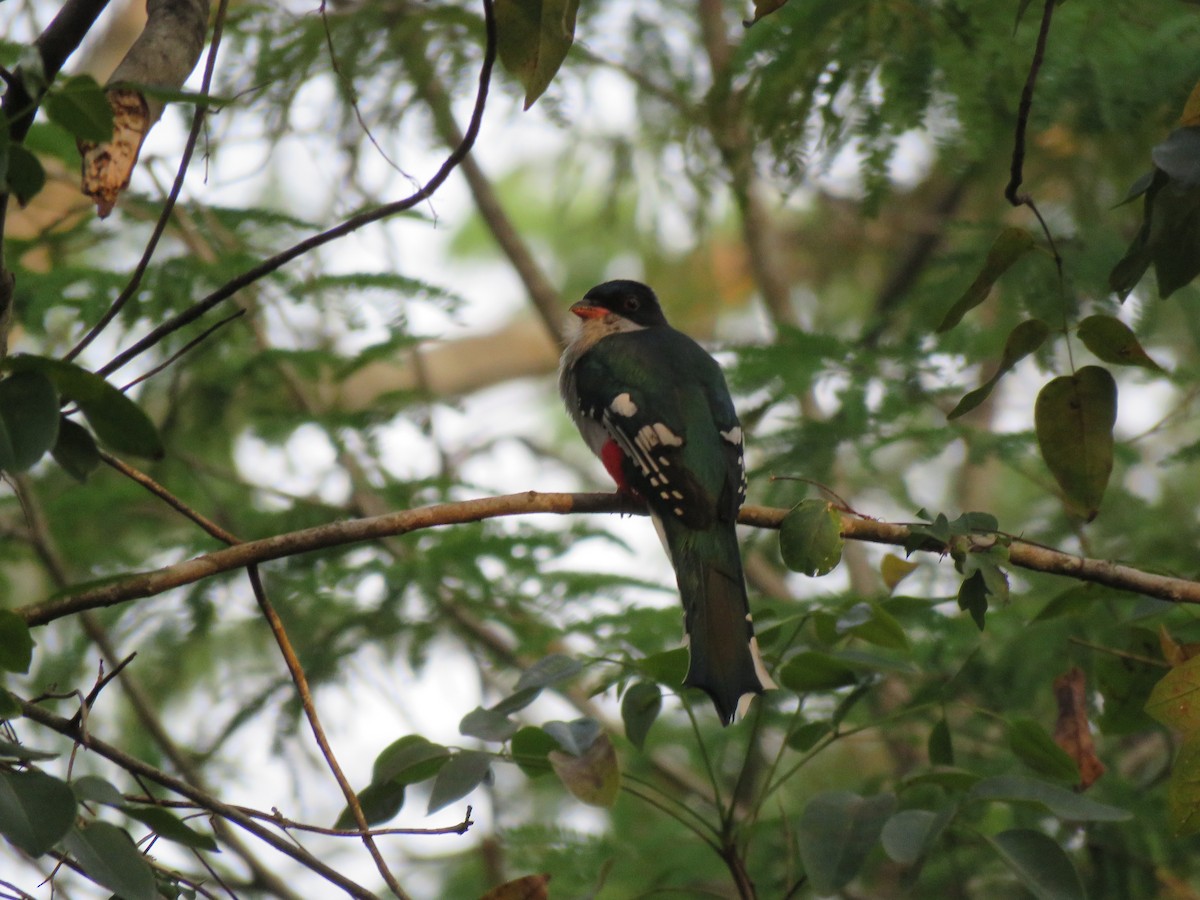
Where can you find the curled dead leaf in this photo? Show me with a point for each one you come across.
(1072, 731)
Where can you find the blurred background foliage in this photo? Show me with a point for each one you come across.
(809, 195)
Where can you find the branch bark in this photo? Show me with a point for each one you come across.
(1022, 554)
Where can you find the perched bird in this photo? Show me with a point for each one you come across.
(654, 406)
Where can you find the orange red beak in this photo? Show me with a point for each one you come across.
(585, 310)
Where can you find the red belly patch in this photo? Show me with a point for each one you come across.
(614, 459)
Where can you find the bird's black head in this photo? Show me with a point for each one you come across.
(631, 300)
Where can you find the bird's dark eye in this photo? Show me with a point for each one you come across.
(631, 304)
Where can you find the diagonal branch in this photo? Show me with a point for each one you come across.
(137, 767)
(267, 266)
(1022, 554)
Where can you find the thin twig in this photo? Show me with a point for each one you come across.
(310, 712)
(1016, 169)
(161, 225)
(184, 350)
(267, 266)
(137, 767)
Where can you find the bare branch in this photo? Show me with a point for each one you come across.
(267, 266)
(204, 800)
(1023, 554)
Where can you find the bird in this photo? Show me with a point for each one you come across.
(654, 406)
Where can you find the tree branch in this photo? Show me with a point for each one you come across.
(271, 264)
(1022, 554)
(135, 766)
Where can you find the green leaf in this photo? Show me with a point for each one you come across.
(593, 776)
(26, 176)
(668, 667)
(763, 8)
(639, 708)
(910, 833)
(487, 725)
(75, 450)
(547, 671)
(1069, 602)
(28, 419)
(836, 832)
(1175, 700)
(169, 827)
(940, 746)
(379, 803)
(1022, 340)
(408, 760)
(116, 419)
(110, 858)
(1179, 155)
(1032, 744)
(93, 789)
(1009, 246)
(1040, 864)
(9, 707)
(459, 776)
(814, 671)
(1064, 803)
(576, 736)
(1113, 341)
(1074, 417)
(515, 701)
(81, 106)
(36, 810)
(1183, 790)
(810, 538)
(530, 750)
(972, 598)
(16, 643)
(804, 736)
(11, 750)
(881, 629)
(533, 37)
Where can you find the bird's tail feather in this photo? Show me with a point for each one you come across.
(724, 661)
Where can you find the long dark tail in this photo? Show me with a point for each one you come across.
(724, 659)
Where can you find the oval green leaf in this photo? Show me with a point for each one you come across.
(533, 37)
(36, 810)
(75, 450)
(464, 772)
(1032, 744)
(1183, 791)
(1022, 340)
(810, 538)
(28, 419)
(16, 643)
(908, 834)
(1175, 699)
(117, 420)
(1064, 803)
(378, 802)
(813, 671)
(110, 858)
(1074, 417)
(81, 107)
(1040, 864)
(169, 827)
(639, 708)
(408, 760)
(836, 832)
(1010, 245)
(1113, 341)
(530, 748)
